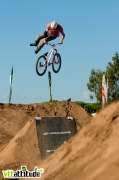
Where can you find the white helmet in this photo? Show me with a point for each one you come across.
(53, 25)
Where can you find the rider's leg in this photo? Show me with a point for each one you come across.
(42, 43)
(50, 38)
(39, 47)
(38, 38)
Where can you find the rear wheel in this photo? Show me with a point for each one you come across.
(41, 65)
(56, 62)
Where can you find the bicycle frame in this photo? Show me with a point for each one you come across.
(51, 52)
(44, 61)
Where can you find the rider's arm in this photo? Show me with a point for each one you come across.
(62, 38)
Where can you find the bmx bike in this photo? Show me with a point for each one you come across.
(50, 58)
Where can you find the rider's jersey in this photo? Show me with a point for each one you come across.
(55, 32)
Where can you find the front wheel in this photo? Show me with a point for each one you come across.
(41, 65)
(56, 62)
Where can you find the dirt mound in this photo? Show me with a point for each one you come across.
(11, 121)
(16, 115)
(92, 154)
(21, 149)
(18, 138)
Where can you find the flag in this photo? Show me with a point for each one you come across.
(11, 77)
(49, 77)
(104, 91)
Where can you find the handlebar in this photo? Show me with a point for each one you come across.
(52, 44)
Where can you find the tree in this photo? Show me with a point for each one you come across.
(112, 70)
(112, 73)
(95, 84)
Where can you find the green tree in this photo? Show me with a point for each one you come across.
(112, 73)
(95, 84)
(112, 70)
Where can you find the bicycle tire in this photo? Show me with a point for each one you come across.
(44, 65)
(54, 62)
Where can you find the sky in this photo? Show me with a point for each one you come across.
(92, 38)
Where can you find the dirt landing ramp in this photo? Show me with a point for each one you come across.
(92, 154)
(18, 136)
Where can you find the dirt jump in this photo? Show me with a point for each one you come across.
(92, 154)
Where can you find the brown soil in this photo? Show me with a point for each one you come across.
(92, 154)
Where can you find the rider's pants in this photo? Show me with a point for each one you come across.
(41, 36)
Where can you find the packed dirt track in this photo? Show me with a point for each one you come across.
(92, 154)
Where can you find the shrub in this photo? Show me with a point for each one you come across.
(89, 107)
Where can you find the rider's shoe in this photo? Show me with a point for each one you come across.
(36, 51)
(33, 44)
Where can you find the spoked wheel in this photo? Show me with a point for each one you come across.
(41, 65)
(56, 62)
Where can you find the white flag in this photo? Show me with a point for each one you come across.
(10, 79)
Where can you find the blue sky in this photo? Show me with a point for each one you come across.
(92, 38)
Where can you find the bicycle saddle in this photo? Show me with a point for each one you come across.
(46, 54)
